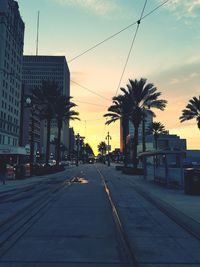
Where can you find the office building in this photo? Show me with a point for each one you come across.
(11, 53)
(148, 122)
(41, 68)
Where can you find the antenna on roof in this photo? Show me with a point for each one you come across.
(38, 23)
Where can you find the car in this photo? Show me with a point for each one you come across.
(52, 162)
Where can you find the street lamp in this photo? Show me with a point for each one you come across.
(77, 139)
(108, 137)
(30, 104)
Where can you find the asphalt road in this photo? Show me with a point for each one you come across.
(90, 216)
(73, 227)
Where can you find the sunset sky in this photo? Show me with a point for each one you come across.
(166, 52)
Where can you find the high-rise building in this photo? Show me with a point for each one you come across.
(42, 68)
(148, 122)
(11, 53)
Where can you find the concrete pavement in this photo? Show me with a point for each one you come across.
(155, 239)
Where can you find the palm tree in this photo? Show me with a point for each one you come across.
(192, 111)
(102, 148)
(63, 113)
(153, 103)
(45, 96)
(142, 98)
(120, 110)
(88, 150)
(156, 128)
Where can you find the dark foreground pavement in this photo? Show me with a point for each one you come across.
(77, 228)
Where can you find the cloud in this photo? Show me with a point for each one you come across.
(100, 7)
(184, 8)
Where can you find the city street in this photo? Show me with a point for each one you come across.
(92, 215)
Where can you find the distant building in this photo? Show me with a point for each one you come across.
(148, 122)
(171, 142)
(192, 157)
(39, 68)
(11, 52)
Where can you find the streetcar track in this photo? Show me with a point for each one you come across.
(178, 217)
(181, 219)
(12, 229)
(123, 239)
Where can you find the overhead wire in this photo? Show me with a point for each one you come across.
(131, 47)
(91, 103)
(89, 90)
(117, 33)
(142, 17)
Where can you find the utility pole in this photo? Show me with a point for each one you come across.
(37, 40)
(108, 138)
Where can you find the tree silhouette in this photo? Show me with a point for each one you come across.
(142, 97)
(120, 110)
(45, 97)
(102, 148)
(192, 111)
(156, 128)
(63, 113)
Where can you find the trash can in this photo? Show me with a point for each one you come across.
(19, 171)
(192, 181)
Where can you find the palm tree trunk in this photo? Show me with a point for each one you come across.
(135, 143)
(58, 143)
(156, 141)
(48, 140)
(143, 136)
(125, 130)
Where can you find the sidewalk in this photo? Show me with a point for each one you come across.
(21, 183)
(155, 220)
(187, 204)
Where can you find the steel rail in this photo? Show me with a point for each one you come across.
(123, 239)
(177, 216)
(17, 225)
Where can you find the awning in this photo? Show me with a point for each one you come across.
(14, 150)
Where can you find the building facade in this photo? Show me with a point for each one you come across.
(148, 122)
(11, 54)
(41, 68)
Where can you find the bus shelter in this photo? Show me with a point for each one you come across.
(165, 167)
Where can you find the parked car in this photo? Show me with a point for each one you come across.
(52, 162)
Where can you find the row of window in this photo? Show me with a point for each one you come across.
(52, 77)
(4, 117)
(10, 108)
(7, 140)
(17, 87)
(9, 127)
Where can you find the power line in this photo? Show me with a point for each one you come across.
(83, 120)
(91, 104)
(129, 53)
(105, 40)
(117, 33)
(132, 24)
(91, 91)
(132, 43)
(153, 10)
